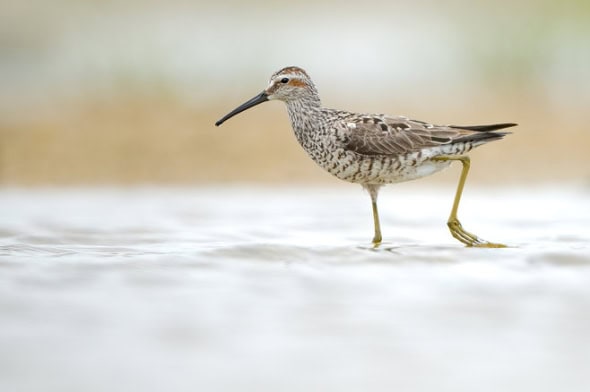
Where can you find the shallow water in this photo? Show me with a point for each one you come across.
(237, 288)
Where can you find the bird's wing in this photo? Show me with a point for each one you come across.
(387, 135)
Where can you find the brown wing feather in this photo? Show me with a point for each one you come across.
(384, 135)
(387, 135)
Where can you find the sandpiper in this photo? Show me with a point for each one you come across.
(375, 149)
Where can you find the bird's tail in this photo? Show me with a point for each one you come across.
(482, 133)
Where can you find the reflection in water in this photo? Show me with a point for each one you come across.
(258, 290)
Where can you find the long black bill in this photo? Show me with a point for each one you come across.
(262, 97)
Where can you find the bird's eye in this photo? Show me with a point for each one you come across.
(284, 80)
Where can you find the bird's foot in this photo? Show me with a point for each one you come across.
(470, 240)
(376, 241)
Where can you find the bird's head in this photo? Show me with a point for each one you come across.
(287, 85)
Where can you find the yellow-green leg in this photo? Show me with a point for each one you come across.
(377, 237)
(373, 190)
(455, 226)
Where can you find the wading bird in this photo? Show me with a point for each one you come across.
(375, 149)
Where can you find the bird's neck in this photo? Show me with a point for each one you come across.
(306, 116)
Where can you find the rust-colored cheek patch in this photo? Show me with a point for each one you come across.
(297, 83)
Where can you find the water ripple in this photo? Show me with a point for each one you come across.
(224, 282)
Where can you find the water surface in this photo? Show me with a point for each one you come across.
(265, 289)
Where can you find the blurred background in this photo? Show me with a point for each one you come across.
(144, 249)
(113, 92)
